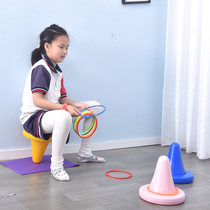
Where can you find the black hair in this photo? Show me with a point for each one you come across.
(48, 35)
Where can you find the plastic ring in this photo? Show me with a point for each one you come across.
(119, 177)
(94, 114)
(90, 131)
(176, 193)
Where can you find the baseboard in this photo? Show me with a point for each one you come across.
(22, 153)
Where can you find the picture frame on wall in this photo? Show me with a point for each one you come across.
(135, 1)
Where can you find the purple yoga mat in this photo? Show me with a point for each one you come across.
(27, 166)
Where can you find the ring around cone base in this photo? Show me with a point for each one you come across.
(166, 200)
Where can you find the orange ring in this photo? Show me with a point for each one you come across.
(177, 192)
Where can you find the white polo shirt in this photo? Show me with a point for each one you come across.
(42, 77)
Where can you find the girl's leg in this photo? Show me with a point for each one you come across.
(57, 122)
(85, 148)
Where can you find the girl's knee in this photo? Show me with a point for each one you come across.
(65, 117)
(96, 109)
(91, 103)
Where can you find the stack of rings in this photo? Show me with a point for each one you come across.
(91, 130)
(85, 114)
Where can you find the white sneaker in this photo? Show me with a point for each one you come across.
(91, 159)
(60, 175)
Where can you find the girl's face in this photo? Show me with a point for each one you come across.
(58, 49)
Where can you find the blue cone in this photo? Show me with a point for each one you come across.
(179, 174)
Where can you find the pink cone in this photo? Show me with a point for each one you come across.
(162, 190)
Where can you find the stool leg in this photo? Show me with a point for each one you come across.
(38, 150)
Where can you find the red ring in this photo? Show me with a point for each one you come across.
(119, 177)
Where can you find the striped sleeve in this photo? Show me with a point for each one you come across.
(63, 90)
(40, 80)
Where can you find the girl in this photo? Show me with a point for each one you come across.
(46, 109)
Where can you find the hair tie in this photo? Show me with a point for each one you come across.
(38, 46)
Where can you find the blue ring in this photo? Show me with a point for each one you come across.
(88, 131)
(94, 114)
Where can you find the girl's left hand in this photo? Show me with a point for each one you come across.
(83, 106)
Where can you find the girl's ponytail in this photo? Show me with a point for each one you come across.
(48, 35)
(35, 56)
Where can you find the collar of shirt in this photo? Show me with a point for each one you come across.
(49, 63)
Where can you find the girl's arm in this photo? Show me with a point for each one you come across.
(69, 101)
(41, 102)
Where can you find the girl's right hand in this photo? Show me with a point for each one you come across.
(73, 111)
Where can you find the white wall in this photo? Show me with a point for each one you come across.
(116, 56)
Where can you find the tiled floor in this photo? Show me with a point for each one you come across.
(91, 189)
